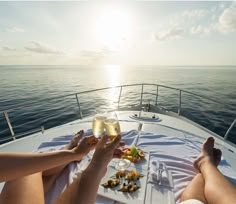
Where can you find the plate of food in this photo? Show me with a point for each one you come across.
(127, 186)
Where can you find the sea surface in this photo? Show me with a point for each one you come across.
(33, 96)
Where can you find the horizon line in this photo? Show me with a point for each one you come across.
(116, 64)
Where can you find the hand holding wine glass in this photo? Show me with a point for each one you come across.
(112, 127)
(106, 150)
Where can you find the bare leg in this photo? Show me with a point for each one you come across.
(195, 189)
(28, 189)
(218, 190)
(50, 175)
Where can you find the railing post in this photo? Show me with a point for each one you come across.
(179, 109)
(9, 124)
(156, 96)
(42, 129)
(118, 105)
(230, 128)
(78, 103)
(141, 99)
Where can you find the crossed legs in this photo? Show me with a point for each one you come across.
(49, 176)
(30, 189)
(209, 186)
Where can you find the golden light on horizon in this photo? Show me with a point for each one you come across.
(113, 28)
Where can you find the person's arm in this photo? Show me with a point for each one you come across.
(15, 165)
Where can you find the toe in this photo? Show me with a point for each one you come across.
(218, 155)
(208, 144)
(77, 137)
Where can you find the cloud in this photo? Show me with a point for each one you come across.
(222, 6)
(199, 22)
(200, 30)
(98, 56)
(227, 19)
(42, 48)
(196, 13)
(92, 54)
(5, 48)
(170, 34)
(15, 30)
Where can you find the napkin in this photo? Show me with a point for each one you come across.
(160, 175)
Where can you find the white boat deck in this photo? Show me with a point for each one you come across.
(167, 126)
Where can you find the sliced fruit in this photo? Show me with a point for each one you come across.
(141, 153)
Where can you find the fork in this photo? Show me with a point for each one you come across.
(160, 171)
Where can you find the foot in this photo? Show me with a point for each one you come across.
(208, 154)
(74, 141)
(50, 175)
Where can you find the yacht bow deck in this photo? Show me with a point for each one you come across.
(168, 126)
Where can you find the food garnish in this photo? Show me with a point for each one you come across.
(133, 154)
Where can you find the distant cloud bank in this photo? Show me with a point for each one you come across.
(42, 48)
(191, 22)
(172, 33)
(15, 30)
(5, 48)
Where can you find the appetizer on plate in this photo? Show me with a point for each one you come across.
(111, 183)
(120, 174)
(133, 176)
(129, 188)
(133, 154)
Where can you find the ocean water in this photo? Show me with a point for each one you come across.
(32, 86)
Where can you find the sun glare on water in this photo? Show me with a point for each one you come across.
(113, 28)
(113, 74)
(113, 78)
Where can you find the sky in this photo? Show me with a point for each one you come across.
(118, 32)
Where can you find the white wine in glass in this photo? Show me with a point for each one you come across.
(98, 124)
(112, 127)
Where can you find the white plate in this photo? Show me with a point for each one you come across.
(138, 197)
(143, 164)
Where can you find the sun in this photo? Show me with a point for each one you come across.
(113, 28)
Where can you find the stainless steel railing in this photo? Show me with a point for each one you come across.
(121, 87)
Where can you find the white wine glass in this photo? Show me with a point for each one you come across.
(112, 127)
(98, 124)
